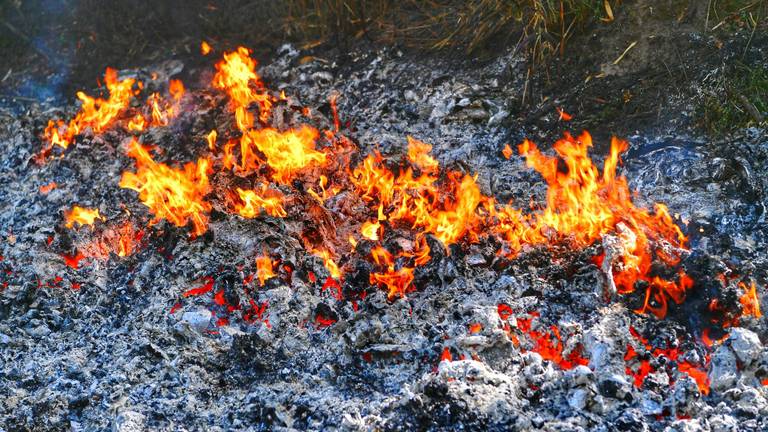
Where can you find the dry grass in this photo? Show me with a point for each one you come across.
(471, 26)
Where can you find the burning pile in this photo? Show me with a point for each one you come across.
(376, 220)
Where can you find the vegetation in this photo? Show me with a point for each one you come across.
(472, 25)
(740, 100)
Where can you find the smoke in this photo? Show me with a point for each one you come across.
(38, 50)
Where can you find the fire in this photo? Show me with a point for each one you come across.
(211, 138)
(48, 187)
(398, 282)
(287, 152)
(749, 301)
(417, 200)
(176, 89)
(507, 151)
(95, 113)
(418, 154)
(161, 111)
(328, 262)
(253, 202)
(82, 216)
(170, 193)
(549, 344)
(697, 372)
(137, 123)
(205, 48)
(370, 230)
(583, 204)
(122, 241)
(236, 74)
(264, 268)
(448, 213)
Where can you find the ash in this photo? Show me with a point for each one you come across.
(114, 344)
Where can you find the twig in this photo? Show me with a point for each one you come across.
(632, 45)
(751, 35)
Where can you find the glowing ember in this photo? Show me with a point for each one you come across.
(73, 260)
(170, 193)
(205, 288)
(698, 373)
(46, 188)
(81, 216)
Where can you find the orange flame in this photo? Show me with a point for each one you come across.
(176, 89)
(205, 48)
(264, 268)
(82, 216)
(253, 202)
(170, 193)
(749, 301)
(95, 113)
(287, 152)
(235, 74)
(328, 262)
(211, 138)
(370, 230)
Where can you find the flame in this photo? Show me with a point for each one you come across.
(162, 112)
(418, 154)
(176, 89)
(287, 152)
(584, 204)
(370, 230)
(235, 74)
(95, 113)
(750, 303)
(448, 213)
(82, 216)
(122, 240)
(398, 282)
(328, 262)
(253, 202)
(211, 138)
(507, 151)
(170, 193)
(137, 123)
(205, 48)
(325, 192)
(264, 268)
